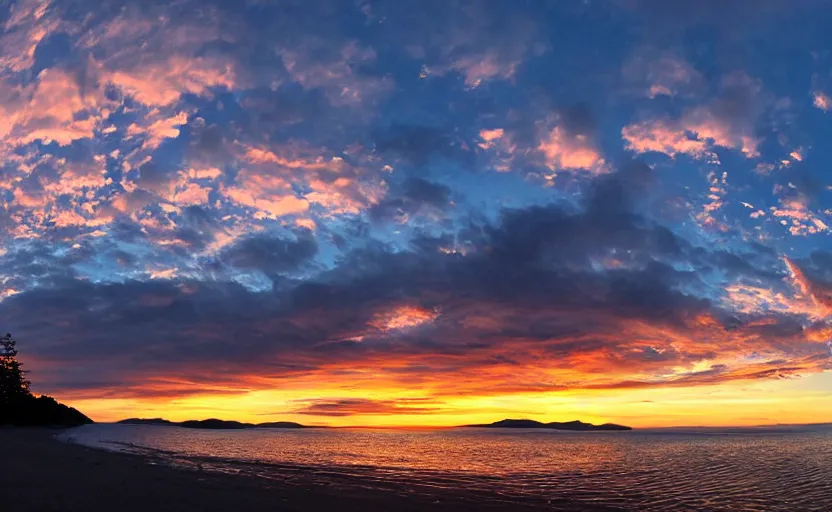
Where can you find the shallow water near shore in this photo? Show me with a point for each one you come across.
(779, 469)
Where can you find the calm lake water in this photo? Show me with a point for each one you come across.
(776, 469)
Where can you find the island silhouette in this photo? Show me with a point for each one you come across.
(211, 424)
(554, 425)
(216, 424)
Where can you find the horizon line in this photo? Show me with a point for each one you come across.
(428, 427)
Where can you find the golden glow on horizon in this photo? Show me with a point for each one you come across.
(729, 404)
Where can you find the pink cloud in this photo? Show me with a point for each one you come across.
(707, 127)
(271, 195)
(306, 223)
(192, 194)
(798, 218)
(489, 136)
(209, 173)
(309, 175)
(500, 143)
(693, 135)
(725, 122)
(29, 23)
(344, 195)
(69, 218)
(156, 59)
(52, 109)
(160, 127)
(562, 151)
(163, 83)
(403, 317)
(821, 100)
(661, 136)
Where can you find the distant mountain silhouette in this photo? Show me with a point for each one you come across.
(211, 424)
(568, 425)
(146, 421)
(280, 424)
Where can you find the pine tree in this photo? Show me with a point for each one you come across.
(13, 384)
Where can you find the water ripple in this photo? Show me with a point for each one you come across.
(640, 471)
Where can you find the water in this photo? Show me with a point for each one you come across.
(779, 469)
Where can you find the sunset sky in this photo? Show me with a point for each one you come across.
(433, 212)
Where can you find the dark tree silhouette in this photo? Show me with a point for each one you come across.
(18, 406)
(13, 385)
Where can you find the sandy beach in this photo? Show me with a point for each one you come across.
(42, 474)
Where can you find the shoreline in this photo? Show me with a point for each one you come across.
(44, 474)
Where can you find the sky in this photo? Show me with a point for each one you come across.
(403, 213)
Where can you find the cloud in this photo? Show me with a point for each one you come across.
(268, 194)
(403, 317)
(656, 73)
(271, 255)
(570, 144)
(363, 406)
(29, 22)
(223, 198)
(315, 65)
(562, 152)
(821, 101)
(728, 121)
(417, 197)
(51, 109)
(547, 298)
(662, 136)
(481, 43)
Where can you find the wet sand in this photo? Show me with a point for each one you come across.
(41, 474)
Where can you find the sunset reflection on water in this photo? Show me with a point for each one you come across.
(648, 470)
